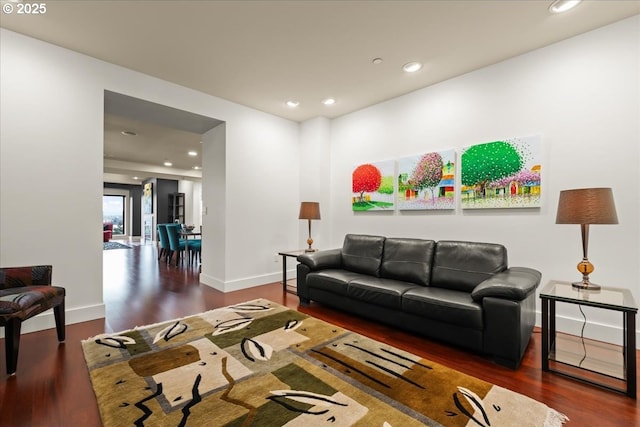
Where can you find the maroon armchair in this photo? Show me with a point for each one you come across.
(107, 232)
(24, 293)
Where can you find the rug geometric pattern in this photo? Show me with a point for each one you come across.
(259, 363)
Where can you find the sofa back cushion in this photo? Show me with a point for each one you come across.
(362, 254)
(408, 260)
(463, 265)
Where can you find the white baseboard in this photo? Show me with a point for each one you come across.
(72, 315)
(212, 282)
(245, 283)
(239, 284)
(612, 334)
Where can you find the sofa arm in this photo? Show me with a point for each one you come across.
(514, 283)
(331, 258)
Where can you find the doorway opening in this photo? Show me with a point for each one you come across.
(113, 211)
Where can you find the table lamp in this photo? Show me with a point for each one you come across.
(309, 211)
(586, 206)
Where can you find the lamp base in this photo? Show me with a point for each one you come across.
(585, 285)
(309, 240)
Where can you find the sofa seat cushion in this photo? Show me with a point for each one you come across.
(331, 280)
(383, 292)
(444, 305)
(21, 301)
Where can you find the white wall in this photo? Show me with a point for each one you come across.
(51, 155)
(197, 205)
(314, 181)
(51, 169)
(582, 96)
(261, 191)
(192, 194)
(214, 215)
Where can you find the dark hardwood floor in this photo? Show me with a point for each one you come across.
(52, 387)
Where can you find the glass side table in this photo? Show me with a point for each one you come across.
(594, 362)
(286, 286)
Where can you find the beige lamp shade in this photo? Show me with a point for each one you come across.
(586, 206)
(309, 210)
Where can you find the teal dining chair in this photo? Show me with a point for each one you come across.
(195, 250)
(163, 239)
(176, 245)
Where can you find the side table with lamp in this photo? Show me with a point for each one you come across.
(308, 211)
(590, 361)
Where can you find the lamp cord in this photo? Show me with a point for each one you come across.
(584, 348)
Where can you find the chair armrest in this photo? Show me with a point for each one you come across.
(331, 258)
(514, 283)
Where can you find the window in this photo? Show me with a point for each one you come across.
(113, 212)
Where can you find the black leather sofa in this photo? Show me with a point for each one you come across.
(462, 293)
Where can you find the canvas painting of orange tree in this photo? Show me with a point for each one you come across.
(372, 186)
(501, 174)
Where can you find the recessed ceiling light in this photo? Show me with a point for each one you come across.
(412, 67)
(136, 178)
(376, 61)
(128, 133)
(329, 101)
(168, 164)
(293, 104)
(197, 168)
(192, 153)
(560, 6)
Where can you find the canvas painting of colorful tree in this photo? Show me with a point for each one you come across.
(372, 186)
(427, 181)
(501, 174)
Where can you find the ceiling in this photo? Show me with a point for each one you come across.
(263, 53)
(135, 158)
(162, 134)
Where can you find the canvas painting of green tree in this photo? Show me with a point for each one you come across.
(501, 174)
(427, 181)
(372, 186)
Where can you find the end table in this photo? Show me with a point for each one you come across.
(583, 359)
(292, 289)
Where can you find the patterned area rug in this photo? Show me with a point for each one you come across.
(114, 245)
(261, 364)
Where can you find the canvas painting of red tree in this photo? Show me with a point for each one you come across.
(427, 181)
(372, 186)
(501, 174)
